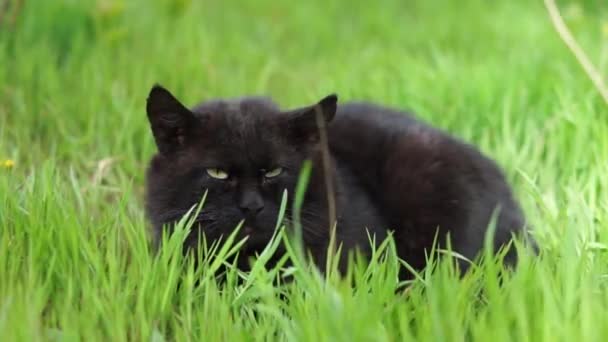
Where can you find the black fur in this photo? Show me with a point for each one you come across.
(389, 170)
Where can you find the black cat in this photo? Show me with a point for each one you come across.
(385, 169)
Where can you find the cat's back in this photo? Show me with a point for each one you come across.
(424, 178)
(381, 144)
(354, 116)
(366, 132)
(361, 133)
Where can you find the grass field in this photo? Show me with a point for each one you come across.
(74, 141)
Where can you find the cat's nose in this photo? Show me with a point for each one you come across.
(252, 210)
(251, 203)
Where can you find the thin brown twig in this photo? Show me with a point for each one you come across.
(18, 8)
(4, 7)
(9, 11)
(579, 54)
(329, 184)
(103, 166)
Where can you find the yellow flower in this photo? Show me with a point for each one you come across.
(8, 164)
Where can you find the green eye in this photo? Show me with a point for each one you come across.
(273, 173)
(217, 173)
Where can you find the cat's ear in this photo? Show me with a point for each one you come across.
(171, 122)
(302, 123)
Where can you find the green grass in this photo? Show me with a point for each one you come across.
(74, 75)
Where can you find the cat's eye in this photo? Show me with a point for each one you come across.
(273, 173)
(217, 173)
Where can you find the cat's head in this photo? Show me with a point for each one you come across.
(244, 152)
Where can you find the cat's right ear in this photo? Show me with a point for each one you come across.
(302, 123)
(171, 122)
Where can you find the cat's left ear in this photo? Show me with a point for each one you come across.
(302, 123)
(171, 122)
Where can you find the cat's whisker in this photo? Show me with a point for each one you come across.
(307, 227)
